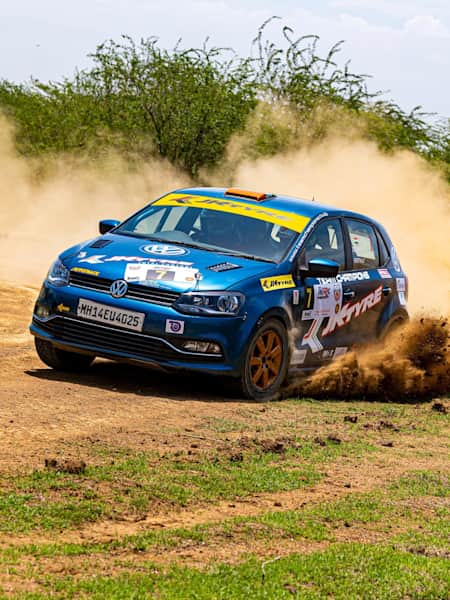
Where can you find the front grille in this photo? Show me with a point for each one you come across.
(135, 291)
(76, 331)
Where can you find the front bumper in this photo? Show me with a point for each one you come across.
(152, 346)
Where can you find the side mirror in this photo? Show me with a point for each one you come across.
(321, 267)
(107, 224)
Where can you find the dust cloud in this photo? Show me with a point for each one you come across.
(412, 363)
(400, 190)
(46, 207)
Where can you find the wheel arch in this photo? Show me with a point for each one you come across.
(400, 317)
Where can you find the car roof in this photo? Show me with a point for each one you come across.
(307, 208)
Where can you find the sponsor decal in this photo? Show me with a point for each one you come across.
(348, 312)
(63, 308)
(305, 234)
(224, 266)
(159, 271)
(98, 259)
(340, 351)
(298, 356)
(263, 213)
(401, 289)
(401, 284)
(384, 274)
(164, 250)
(86, 271)
(310, 338)
(270, 284)
(174, 326)
(322, 301)
(322, 292)
(295, 296)
(346, 277)
(352, 311)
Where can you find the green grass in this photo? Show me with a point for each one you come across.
(316, 523)
(132, 482)
(422, 483)
(406, 565)
(342, 571)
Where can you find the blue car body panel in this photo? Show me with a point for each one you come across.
(95, 264)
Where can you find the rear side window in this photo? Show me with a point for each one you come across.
(326, 241)
(364, 244)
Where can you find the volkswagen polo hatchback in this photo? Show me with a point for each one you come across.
(227, 282)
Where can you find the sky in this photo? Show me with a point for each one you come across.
(403, 44)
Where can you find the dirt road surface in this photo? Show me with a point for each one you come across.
(46, 414)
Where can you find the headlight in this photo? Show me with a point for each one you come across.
(58, 274)
(210, 303)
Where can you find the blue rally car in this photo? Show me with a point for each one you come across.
(228, 282)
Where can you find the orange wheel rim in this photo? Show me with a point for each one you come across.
(266, 359)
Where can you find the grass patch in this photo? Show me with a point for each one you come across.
(422, 483)
(315, 524)
(342, 571)
(133, 482)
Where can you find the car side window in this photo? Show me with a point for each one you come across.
(364, 244)
(326, 241)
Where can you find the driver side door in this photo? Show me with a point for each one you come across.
(320, 299)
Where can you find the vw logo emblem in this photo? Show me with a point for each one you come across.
(118, 288)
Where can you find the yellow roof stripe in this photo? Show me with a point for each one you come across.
(263, 213)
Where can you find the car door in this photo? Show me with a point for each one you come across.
(319, 300)
(366, 287)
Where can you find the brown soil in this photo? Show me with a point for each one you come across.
(46, 415)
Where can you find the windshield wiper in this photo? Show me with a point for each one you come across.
(244, 255)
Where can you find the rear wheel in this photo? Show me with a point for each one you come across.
(61, 359)
(265, 363)
(391, 328)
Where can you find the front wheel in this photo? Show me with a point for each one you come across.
(61, 359)
(265, 363)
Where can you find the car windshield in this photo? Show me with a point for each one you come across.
(208, 229)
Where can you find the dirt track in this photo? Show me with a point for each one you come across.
(48, 414)
(41, 409)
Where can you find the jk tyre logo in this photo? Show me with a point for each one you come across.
(163, 250)
(270, 284)
(118, 288)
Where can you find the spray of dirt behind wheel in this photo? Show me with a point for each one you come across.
(413, 363)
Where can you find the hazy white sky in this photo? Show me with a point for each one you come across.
(404, 44)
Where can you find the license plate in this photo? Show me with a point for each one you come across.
(102, 313)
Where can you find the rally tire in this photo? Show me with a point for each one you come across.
(391, 328)
(62, 360)
(265, 363)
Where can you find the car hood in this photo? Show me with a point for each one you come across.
(156, 264)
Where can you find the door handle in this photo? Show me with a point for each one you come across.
(349, 294)
(386, 290)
